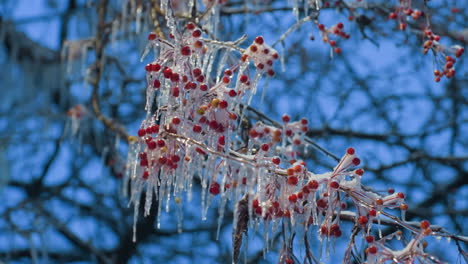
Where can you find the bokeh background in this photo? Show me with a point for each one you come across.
(60, 189)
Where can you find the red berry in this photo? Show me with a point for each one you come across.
(271, 73)
(255, 203)
(213, 124)
(259, 40)
(167, 73)
(286, 118)
(176, 120)
(145, 175)
(196, 72)
(214, 188)
(151, 144)
(340, 25)
(197, 33)
(152, 36)
(360, 172)
(197, 128)
(223, 104)
(288, 261)
(186, 51)
(253, 48)
(372, 250)
(175, 92)
(292, 180)
(175, 77)
(162, 160)
(391, 190)
(228, 72)
(156, 84)
(425, 224)
(141, 132)
(200, 151)
(226, 80)
(324, 230)
(276, 160)
(321, 27)
(292, 198)
(300, 195)
(356, 161)
(175, 158)
(260, 66)
(143, 155)
(190, 26)
(372, 213)
(362, 220)
(148, 67)
(332, 43)
(313, 184)
(401, 195)
(258, 210)
(244, 78)
(221, 140)
(155, 67)
(334, 184)
(370, 239)
(350, 151)
(392, 15)
(160, 143)
(204, 87)
(265, 147)
(459, 52)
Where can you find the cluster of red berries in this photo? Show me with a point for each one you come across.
(332, 231)
(448, 71)
(402, 13)
(336, 30)
(262, 55)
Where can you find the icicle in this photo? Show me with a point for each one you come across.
(84, 59)
(254, 84)
(180, 214)
(221, 214)
(306, 7)
(136, 206)
(161, 194)
(224, 198)
(215, 20)
(211, 60)
(32, 250)
(171, 23)
(221, 64)
(124, 16)
(151, 44)
(378, 226)
(203, 197)
(44, 250)
(191, 4)
(66, 56)
(169, 177)
(138, 18)
(114, 31)
(149, 196)
(296, 9)
(150, 94)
